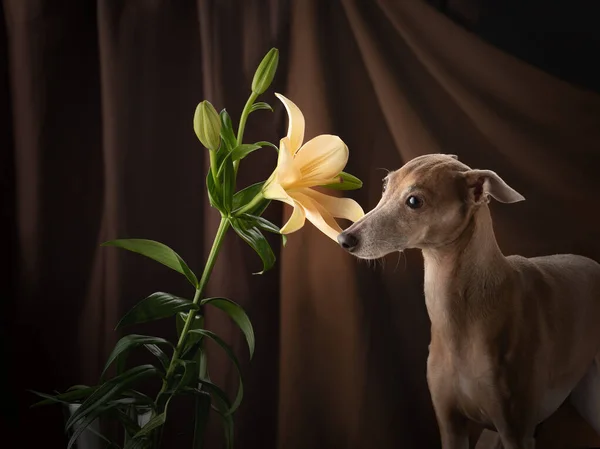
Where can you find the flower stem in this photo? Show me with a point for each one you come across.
(210, 263)
(214, 168)
(244, 116)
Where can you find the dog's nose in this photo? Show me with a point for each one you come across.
(347, 241)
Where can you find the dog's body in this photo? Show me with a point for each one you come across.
(511, 338)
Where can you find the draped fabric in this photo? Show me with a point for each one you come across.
(97, 143)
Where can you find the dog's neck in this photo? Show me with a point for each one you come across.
(459, 275)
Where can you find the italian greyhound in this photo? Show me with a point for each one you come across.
(511, 338)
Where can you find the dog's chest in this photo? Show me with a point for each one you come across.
(468, 375)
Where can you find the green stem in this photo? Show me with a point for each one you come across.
(253, 202)
(210, 263)
(244, 117)
(214, 169)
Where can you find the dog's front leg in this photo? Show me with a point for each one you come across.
(454, 430)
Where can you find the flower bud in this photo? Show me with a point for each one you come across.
(263, 77)
(207, 125)
(345, 181)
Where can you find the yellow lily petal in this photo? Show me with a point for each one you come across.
(296, 220)
(287, 173)
(321, 158)
(296, 123)
(272, 190)
(318, 215)
(338, 207)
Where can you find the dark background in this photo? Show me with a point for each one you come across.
(96, 142)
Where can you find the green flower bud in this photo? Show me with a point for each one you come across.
(207, 125)
(345, 181)
(263, 77)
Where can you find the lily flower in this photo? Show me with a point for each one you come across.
(300, 168)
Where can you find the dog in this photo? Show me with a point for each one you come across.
(512, 338)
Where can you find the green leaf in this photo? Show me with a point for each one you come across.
(85, 423)
(346, 182)
(129, 342)
(111, 444)
(155, 307)
(226, 421)
(265, 225)
(70, 397)
(110, 390)
(202, 413)
(192, 340)
(139, 398)
(246, 195)
(243, 150)
(154, 423)
(158, 252)
(227, 133)
(130, 426)
(256, 240)
(224, 405)
(190, 374)
(213, 193)
(237, 314)
(160, 355)
(228, 184)
(264, 143)
(139, 443)
(233, 358)
(261, 105)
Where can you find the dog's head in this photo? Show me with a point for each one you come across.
(426, 203)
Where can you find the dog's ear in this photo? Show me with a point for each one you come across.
(481, 183)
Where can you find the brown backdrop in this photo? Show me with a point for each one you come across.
(96, 143)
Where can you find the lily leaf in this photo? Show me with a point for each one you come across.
(266, 225)
(158, 252)
(190, 374)
(192, 339)
(246, 195)
(237, 314)
(85, 423)
(233, 358)
(202, 414)
(256, 240)
(346, 182)
(139, 443)
(213, 194)
(261, 105)
(223, 405)
(243, 150)
(264, 143)
(154, 423)
(155, 307)
(110, 390)
(226, 421)
(129, 342)
(227, 133)
(70, 397)
(130, 426)
(160, 355)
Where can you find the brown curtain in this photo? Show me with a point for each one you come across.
(98, 98)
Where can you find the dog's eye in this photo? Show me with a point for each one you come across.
(414, 202)
(384, 186)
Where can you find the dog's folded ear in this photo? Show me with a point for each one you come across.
(481, 183)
